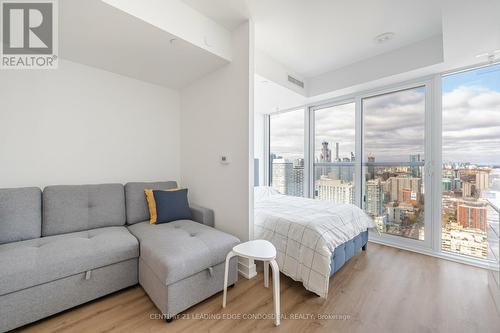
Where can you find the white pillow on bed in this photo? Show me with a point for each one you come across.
(263, 192)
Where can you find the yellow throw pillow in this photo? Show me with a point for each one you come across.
(152, 203)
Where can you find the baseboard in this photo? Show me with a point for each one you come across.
(246, 267)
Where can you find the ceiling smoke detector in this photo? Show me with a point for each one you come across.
(382, 38)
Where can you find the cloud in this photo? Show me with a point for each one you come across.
(394, 126)
(335, 124)
(287, 134)
(471, 125)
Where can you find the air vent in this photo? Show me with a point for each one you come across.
(295, 81)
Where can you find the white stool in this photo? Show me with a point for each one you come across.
(258, 250)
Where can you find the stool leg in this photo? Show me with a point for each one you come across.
(266, 274)
(276, 291)
(226, 269)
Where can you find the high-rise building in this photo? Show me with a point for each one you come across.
(281, 171)
(446, 184)
(374, 197)
(337, 146)
(334, 190)
(395, 215)
(342, 172)
(288, 177)
(298, 163)
(401, 214)
(406, 195)
(397, 184)
(415, 169)
(472, 214)
(325, 156)
(461, 240)
(326, 153)
(272, 157)
(468, 189)
(456, 184)
(296, 187)
(482, 180)
(371, 168)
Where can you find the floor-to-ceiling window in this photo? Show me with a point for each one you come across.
(471, 162)
(334, 152)
(432, 189)
(286, 152)
(393, 161)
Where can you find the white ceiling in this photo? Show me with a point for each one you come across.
(314, 37)
(99, 35)
(271, 97)
(228, 13)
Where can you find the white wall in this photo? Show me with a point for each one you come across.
(78, 125)
(216, 118)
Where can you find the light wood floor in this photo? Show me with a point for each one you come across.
(381, 290)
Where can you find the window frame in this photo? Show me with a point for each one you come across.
(312, 141)
(267, 148)
(427, 242)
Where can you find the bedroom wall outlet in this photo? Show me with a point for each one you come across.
(224, 159)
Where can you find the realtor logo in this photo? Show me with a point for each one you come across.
(29, 34)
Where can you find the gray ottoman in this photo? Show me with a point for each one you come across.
(182, 263)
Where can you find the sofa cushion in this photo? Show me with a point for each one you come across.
(20, 214)
(137, 206)
(33, 262)
(172, 206)
(176, 250)
(70, 208)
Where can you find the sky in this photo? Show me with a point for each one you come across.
(335, 124)
(287, 134)
(471, 116)
(394, 123)
(487, 77)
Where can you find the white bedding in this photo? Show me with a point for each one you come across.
(305, 233)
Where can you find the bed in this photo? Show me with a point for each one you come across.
(313, 238)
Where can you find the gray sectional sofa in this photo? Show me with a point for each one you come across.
(68, 245)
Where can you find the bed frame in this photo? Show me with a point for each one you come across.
(347, 250)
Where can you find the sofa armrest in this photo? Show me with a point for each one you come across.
(202, 215)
